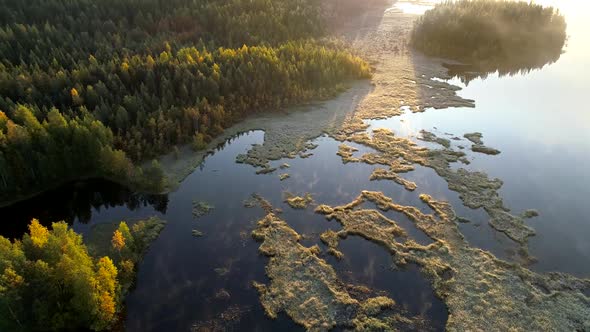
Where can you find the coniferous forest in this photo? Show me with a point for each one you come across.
(504, 36)
(96, 88)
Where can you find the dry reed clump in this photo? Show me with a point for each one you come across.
(346, 152)
(383, 174)
(475, 189)
(480, 291)
(308, 290)
(298, 202)
(331, 239)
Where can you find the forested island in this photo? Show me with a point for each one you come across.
(95, 89)
(489, 36)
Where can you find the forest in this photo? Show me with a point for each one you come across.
(489, 35)
(53, 280)
(95, 88)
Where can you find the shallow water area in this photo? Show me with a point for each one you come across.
(181, 278)
(189, 271)
(541, 124)
(366, 263)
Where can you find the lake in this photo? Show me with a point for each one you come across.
(538, 120)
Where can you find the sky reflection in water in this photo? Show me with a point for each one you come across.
(539, 121)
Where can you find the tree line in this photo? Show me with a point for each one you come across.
(505, 36)
(93, 88)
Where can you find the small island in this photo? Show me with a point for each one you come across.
(488, 36)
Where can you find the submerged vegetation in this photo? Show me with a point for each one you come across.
(228, 320)
(201, 209)
(51, 280)
(478, 146)
(491, 35)
(94, 88)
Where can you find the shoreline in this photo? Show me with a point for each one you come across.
(176, 170)
(283, 127)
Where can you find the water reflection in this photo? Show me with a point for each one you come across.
(366, 263)
(490, 38)
(76, 201)
(183, 281)
(508, 65)
(413, 7)
(182, 277)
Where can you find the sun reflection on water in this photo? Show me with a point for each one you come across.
(413, 7)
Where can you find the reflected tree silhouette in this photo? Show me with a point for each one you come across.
(487, 37)
(505, 66)
(75, 201)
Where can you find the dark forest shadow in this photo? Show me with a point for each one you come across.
(72, 202)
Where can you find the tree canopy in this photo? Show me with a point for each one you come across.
(92, 88)
(492, 35)
(49, 281)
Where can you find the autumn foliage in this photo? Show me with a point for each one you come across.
(49, 281)
(92, 88)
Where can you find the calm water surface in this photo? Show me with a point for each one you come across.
(540, 122)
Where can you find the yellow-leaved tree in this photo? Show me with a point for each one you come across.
(118, 241)
(48, 281)
(107, 290)
(39, 234)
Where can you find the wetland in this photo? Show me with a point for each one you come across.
(434, 196)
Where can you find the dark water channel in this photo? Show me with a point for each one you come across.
(181, 277)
